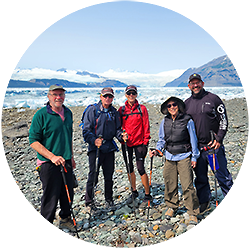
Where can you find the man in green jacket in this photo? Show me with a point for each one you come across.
(50, 135)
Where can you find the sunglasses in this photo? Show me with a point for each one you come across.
(131, 92)
(170, 105)
(108, 96)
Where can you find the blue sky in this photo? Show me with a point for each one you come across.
(122, 35)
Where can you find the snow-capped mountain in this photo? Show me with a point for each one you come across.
(219, 72)
(39, 77)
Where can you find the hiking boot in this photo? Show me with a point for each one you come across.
(192, 220)
(132, 197)
(144, 203)
(204, 207)
(169, 214)
(67, 223)
(110, 206)
(91, 208)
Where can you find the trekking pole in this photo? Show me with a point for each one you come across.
(150, 185)
(69, 199)
(159, 154)
(213, 162)
(129, 173)
(96, 167)
(214, 169)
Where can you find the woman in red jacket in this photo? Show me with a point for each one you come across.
(135, 122)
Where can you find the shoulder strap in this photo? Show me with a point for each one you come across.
(97, 115)
(139, 108)
(123, 109)
(83, 114)
(126, 115)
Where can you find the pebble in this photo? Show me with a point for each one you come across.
(123, 227)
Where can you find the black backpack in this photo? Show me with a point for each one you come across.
(96, 115)
(126, 115)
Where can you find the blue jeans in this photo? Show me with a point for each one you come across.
(222, 174)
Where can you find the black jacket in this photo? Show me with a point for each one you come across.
(209, 113)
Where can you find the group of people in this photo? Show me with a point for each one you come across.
(184, 130)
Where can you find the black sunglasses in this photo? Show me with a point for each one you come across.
(169, 105)
(131, 92)
(108, 96)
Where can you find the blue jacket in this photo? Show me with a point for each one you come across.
(98, 121)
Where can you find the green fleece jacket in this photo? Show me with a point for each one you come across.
(54, 134)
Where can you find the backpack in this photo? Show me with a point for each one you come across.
(97, 113)
(126, 115)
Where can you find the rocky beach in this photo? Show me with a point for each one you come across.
(126, 226)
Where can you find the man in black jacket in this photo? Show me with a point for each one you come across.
(101, 119)
(209, 113)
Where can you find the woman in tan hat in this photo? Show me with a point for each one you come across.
(177, 136)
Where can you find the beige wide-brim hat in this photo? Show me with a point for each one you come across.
(181, 105)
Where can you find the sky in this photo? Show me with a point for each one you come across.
(126, 36)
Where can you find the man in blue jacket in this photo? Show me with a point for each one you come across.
(209, 114)
(103, 120)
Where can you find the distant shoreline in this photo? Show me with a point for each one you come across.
(37, 97)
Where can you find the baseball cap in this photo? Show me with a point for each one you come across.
(107, 90)
(194, 76)
(131, 88)
(56, 87)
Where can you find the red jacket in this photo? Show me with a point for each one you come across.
(136, 125)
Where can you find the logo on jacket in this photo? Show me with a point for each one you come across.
(221, 109)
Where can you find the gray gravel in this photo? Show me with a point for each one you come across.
(123, 227)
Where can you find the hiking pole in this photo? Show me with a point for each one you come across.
(96, 167)
(214, 169)
(213, 163)
(150, 185)
(159, 154)
(63, 168)
(129, 173)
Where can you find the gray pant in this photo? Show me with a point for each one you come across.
(170, 174)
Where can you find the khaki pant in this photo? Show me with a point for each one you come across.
(170, 174)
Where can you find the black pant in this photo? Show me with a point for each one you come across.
(54, 190)
(106, 160)
(140, 154)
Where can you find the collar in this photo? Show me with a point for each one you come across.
(134, 106)
(101, 106)
(179, 115)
